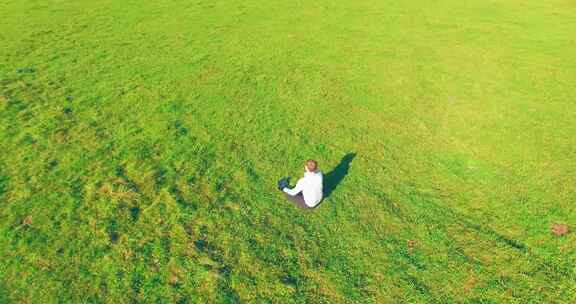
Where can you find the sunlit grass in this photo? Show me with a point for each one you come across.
(140, 144)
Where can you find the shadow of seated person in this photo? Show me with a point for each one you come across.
(333, 178)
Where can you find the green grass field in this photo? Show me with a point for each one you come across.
(141, 141)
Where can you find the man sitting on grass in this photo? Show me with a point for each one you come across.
(308, 190)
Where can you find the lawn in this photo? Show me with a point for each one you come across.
(141, 142)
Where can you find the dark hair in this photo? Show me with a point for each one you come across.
(312, 165)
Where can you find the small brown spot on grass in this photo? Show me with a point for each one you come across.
(128, 254)
(173, 279)
(119, 192)
(105, 189)
(559, 229)
(470, 283)
(27, 221)
(411, 244)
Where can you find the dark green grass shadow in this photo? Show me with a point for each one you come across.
(333, 178)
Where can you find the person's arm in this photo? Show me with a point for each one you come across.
(299, 187)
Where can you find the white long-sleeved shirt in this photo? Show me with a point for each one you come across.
(310, 186)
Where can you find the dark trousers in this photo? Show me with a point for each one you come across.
(297, 200)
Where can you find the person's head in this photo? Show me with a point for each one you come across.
(311, 165)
